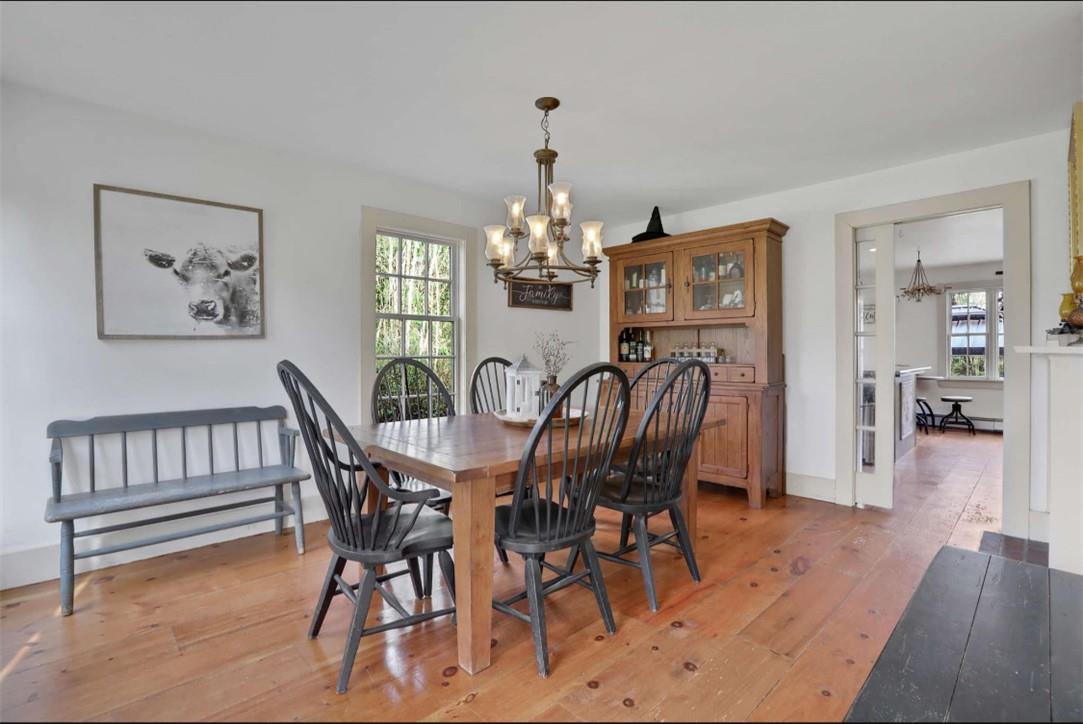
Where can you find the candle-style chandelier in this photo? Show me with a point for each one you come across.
(546, 230)
(919, 285)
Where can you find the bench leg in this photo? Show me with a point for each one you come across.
(278, 509)
(67, 566)
(298, 519)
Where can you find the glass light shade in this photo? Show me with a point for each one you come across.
(561, 207)
(516, 207)
(494, 242)
(507, 253)
(592, 239)
(539, 233)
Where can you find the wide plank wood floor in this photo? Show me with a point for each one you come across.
(796, 603)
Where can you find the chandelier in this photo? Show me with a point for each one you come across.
(546, 230)
(919, 285)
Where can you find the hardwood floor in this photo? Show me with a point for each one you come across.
(796, 603)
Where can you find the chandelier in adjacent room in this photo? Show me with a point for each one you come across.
(546, 230)
(919, 285)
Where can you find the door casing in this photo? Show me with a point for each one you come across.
(1014, 200)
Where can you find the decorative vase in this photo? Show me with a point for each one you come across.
(1077, 276)
(1067, 304)
(1075, 317)
(549, 391)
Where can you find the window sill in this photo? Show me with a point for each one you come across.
(970, 382)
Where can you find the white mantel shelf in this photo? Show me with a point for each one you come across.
(1076, 349)
(1064, 442)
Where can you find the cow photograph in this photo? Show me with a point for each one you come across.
(171, 267)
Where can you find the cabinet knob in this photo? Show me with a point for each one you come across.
(687, 283)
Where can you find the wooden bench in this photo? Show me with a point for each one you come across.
(221, 477)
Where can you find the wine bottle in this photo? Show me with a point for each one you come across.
(623, 343)
(639, 346)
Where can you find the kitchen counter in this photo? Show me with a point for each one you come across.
(901, 370)
(906, 407)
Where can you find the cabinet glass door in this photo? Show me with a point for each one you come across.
(719, 281)
(646, 289)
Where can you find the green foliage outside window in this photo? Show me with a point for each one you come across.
(414, 303)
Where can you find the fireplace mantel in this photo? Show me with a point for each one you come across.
(1064, 451)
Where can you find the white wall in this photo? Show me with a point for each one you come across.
(809, 274)
(920, 341)
(53, 366)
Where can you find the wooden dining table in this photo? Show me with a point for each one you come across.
(475, 457)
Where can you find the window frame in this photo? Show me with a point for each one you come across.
(994, 295)
(403, 318)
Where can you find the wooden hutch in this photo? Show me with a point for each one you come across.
(718, 287)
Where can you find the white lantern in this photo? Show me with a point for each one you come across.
(523, 388)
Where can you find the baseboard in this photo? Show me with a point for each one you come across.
(810, 486)
(1039, 526)
(33, 564)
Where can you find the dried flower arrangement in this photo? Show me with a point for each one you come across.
(553, 350)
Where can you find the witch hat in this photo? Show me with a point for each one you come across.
(654, 228)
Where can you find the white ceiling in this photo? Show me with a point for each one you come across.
(679, 104)
(971, 238)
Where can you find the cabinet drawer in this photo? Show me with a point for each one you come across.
(741, 373)
(721, 374)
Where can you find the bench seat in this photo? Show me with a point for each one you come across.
(114, 500)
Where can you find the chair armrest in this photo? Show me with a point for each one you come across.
(289, 431)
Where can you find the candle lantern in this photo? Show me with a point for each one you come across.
(523, 386)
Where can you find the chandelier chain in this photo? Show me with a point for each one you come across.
(545, 127)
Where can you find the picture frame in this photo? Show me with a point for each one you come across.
(177, 267)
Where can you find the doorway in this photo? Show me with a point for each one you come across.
(870, 403)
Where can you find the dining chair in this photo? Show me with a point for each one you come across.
(402, 526)
(564, 464)
(488, 385)
(644, 383)
(647, 380)
(406, 389)
(651, 481)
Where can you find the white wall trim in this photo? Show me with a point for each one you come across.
(810, 486)
(1014, 199)
(467, 240)
(1039, 526)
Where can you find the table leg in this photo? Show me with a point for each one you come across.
(690, 496)
(472, 506)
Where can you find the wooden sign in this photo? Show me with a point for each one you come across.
(535, 295)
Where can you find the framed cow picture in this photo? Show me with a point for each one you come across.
(170, 267)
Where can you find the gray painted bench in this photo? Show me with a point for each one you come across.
(119, 494)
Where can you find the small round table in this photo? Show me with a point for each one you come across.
(956, 418)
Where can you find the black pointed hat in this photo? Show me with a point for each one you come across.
(654, 228)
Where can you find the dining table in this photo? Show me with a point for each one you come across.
(475, 458)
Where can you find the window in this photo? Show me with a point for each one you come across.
(976, 333)
(416, 303)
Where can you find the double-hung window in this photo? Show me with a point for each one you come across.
(417, 302)
(975, 332)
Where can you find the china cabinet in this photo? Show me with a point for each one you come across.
(721, 290)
